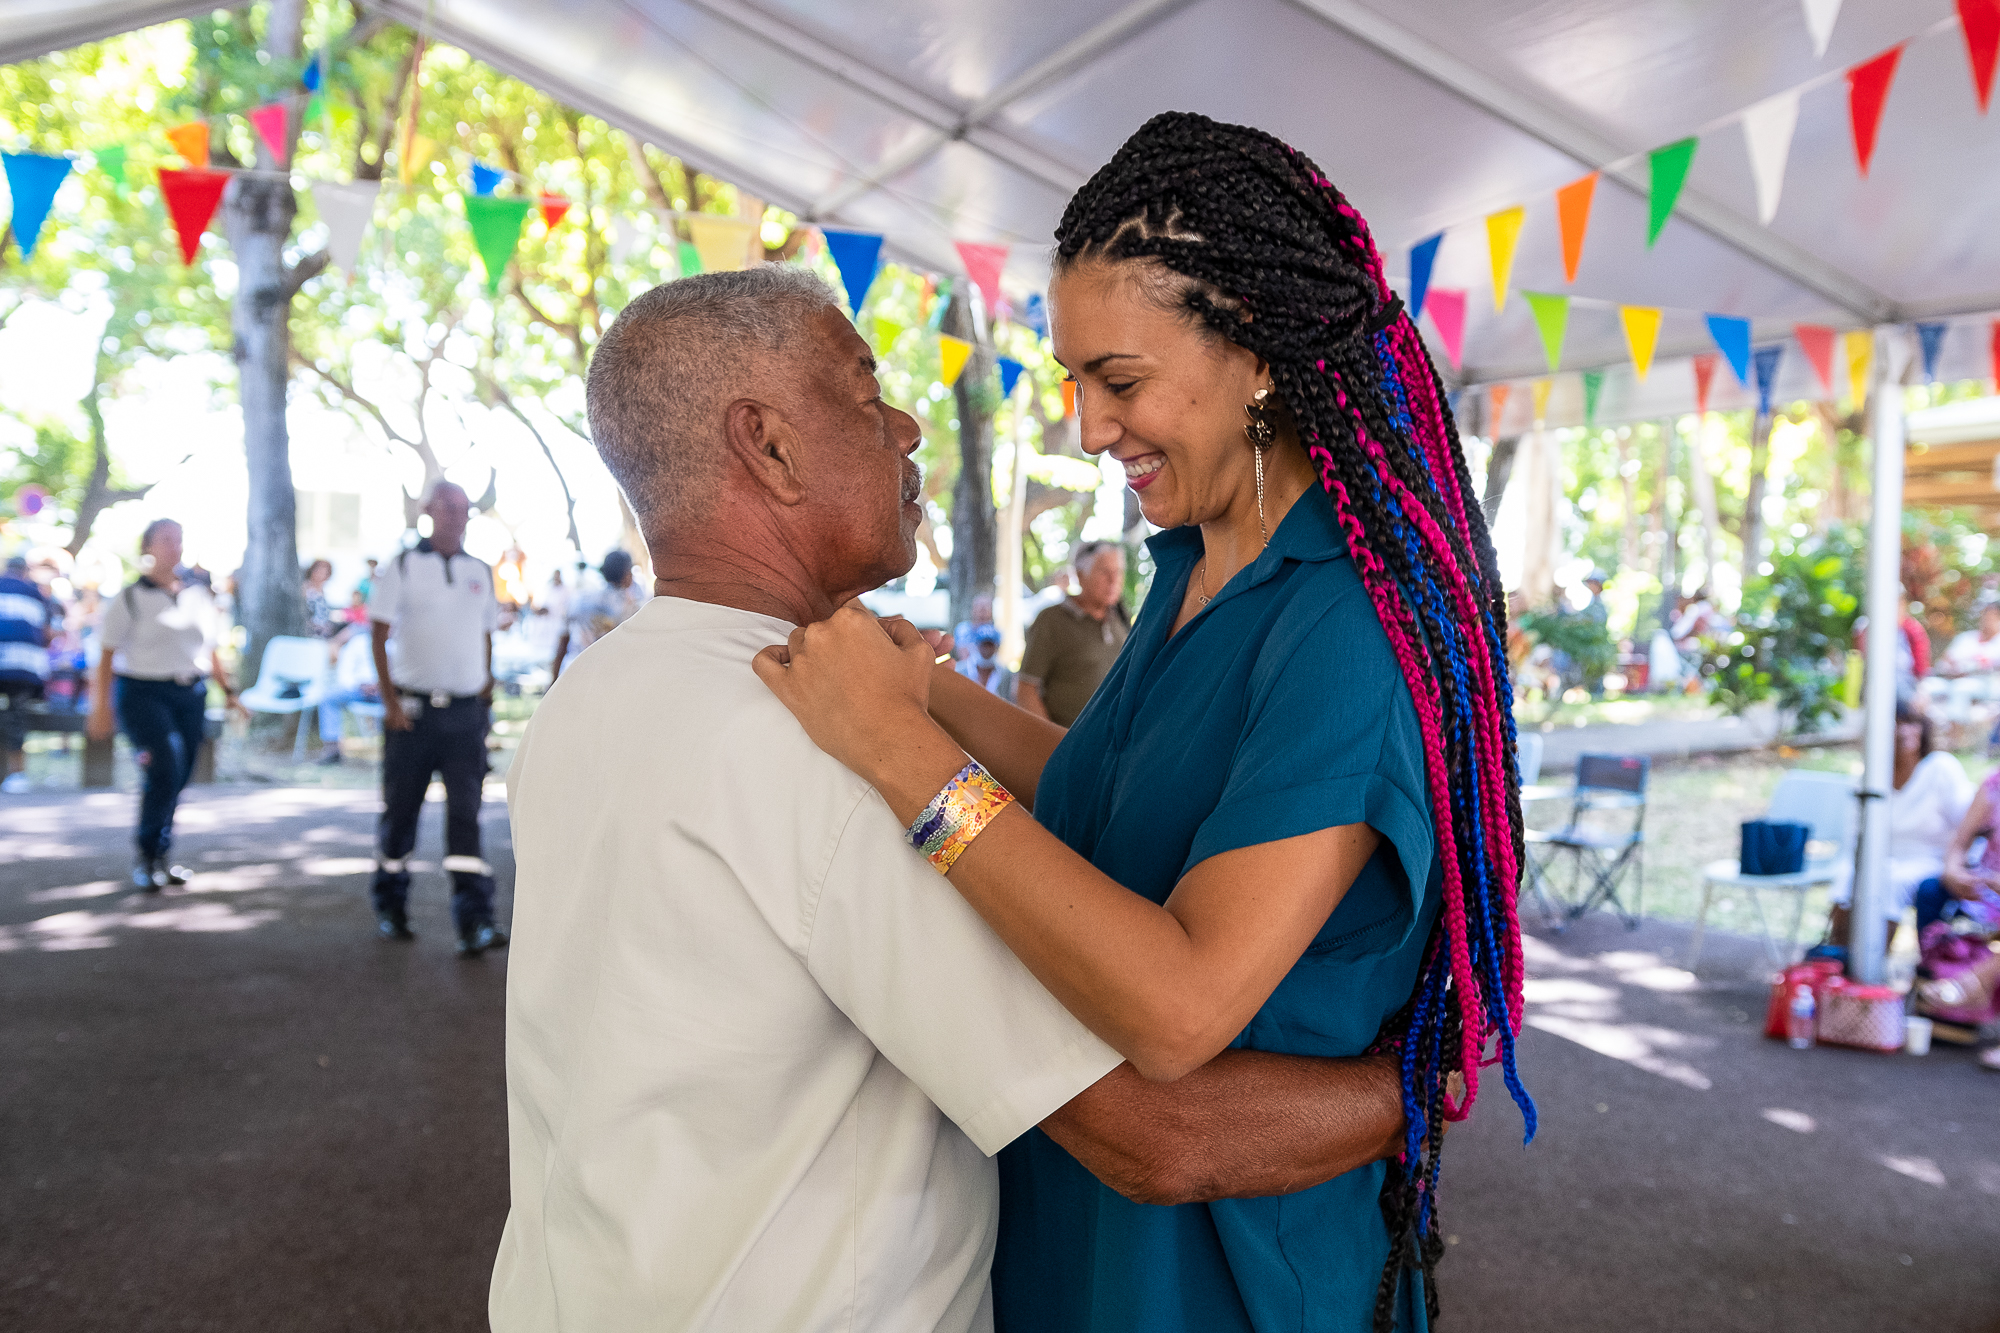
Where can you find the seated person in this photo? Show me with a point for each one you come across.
(1961, 888)
(983, 663)
(1926, 806)
(353, 683)
(1965, 674)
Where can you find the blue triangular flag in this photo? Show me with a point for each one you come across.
(1767, 375)
(486, 179)
(1733, 337)
(32, 179)
(311, 77)
(1932, 337)
(1010, 375)
(1036, 316)
(1422, 255)
(856, 254)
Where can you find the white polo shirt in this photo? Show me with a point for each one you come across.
(440, 610)
(758, 1052)
(153, 634)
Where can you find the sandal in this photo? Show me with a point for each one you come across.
(1990, 1059)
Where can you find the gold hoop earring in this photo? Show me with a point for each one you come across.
(1262, 433)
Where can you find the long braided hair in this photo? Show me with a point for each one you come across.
(1246, 236)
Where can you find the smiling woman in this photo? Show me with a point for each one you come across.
(1289, 818)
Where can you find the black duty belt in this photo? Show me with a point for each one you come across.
(438, 698)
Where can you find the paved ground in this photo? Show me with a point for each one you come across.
(231, 1108)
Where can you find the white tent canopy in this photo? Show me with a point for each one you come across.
(940, 120)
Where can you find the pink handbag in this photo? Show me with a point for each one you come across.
(1867, 1017)
(1947, 954)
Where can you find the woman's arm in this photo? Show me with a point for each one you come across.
(1013, 744)
(1957, 881)
(1167, 986)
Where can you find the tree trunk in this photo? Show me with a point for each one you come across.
(1704, 498)
(1753, 496)
(1628, 541)
(1499, 467)
(1670, 539)
(257, 215)
(975, 530)
(99, 495)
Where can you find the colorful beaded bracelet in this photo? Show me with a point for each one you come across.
(957, 815)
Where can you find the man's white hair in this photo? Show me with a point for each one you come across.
(669, 364)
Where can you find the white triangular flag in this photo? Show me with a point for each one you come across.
(1820, 18)
(1767, 131)
(347, 209)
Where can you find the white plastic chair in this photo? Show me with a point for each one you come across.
(289, 680)
(1824, 802)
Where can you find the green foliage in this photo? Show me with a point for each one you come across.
(1581, 637)
(1793, 632)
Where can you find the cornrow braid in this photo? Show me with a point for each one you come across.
(1244, 235)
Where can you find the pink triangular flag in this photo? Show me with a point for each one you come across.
(1816, 341)
(983, 264)
(1704, 380)
(273, 124)
(1446, 307)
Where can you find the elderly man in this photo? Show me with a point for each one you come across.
(757, 1058)
(1072, 644)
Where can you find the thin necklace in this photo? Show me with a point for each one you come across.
(1201, 573)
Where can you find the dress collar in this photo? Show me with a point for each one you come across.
(1309, 533)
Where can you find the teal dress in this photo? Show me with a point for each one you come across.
(1277, 711)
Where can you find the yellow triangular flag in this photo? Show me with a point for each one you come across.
(952, 353)
(723, 243)
(417, 155)
(191, 142)
(1541, 388)
(1503, 232)
(1642, 335)
(1860, 345)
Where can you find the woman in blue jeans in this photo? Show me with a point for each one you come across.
(158, 655)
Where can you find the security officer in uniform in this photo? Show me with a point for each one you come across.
(438, 603)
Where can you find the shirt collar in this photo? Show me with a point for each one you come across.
(1309, 533)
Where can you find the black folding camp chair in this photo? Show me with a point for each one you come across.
(1596, 848)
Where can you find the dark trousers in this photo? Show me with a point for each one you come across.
(1932, 899)
(165, 723)
(449, 742)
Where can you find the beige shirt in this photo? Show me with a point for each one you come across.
(157, 635)
(758, 1052)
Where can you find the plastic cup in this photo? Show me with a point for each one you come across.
(1917, 1035)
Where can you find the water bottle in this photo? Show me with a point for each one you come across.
(1799, 1029)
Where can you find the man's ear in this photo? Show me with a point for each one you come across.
(767, 446)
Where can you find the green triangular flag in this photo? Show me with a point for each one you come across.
(690, 259)
(1593, 385)
(886, 331)
(315, 109)
(1552, 318)
(111, 161)
(496, 230)
(1670, 172)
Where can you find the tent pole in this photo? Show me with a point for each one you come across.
(1866, 934)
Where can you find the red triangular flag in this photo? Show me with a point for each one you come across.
(1816, 341)
(1069, 391)
(192, 197)
(1704, 380)
(273, 124)
(983, 264)
(1996, 356)
(1867, 90)
(553, 207)
(1981, 21)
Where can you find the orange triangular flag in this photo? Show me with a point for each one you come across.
(191, 142)
(1704, 380)
(1069, 386)
(1573, 213)
(1497, 395)
(553, 207)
